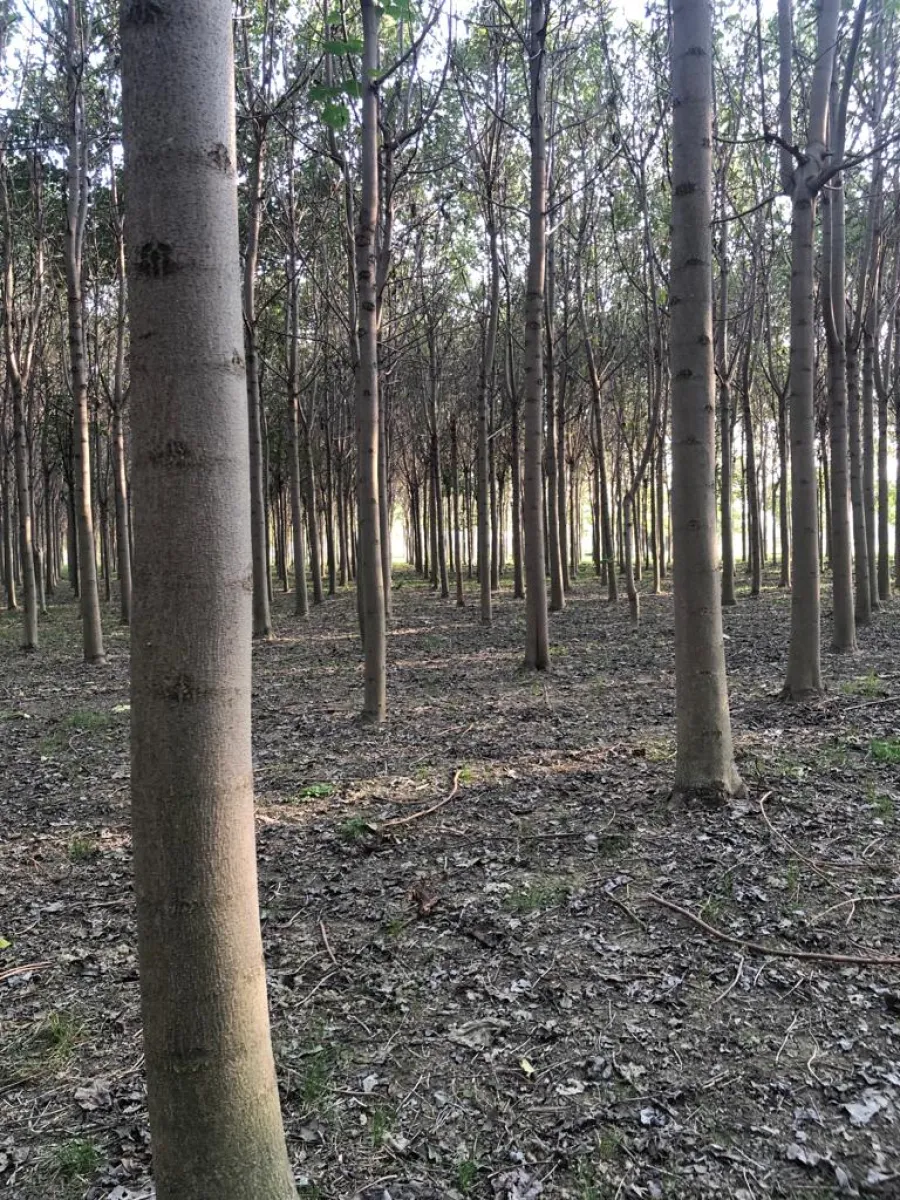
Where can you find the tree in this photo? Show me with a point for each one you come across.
(802, 175)
(537, 645)
(213, 1100)
(371, 573)
(704, 756)
(76, 216)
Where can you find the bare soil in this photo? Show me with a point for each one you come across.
(489, 999)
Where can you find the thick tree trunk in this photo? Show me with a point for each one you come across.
(704, 756)
(537, 645)
(213, 1099)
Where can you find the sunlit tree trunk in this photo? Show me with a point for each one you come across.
(212, 1094)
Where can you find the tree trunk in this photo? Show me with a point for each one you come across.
(457, 539)
(76, 213)
(804, 672)
(554, 545)
(868, 463)
(843, 636)
(262, 621)
(863, 614)
(212, 1094)
(370, 578)
(537, 646)
(25, 505)
(704, 756)
(485, 375)
(727, 534)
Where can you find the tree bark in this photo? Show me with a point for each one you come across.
(76, 214)
(804, 671)
(213, 1099)
(370, 579)
(704, 756)
(537, 645)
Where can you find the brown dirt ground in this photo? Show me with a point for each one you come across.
(485, 1002)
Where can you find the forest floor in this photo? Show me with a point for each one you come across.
(486, 1001)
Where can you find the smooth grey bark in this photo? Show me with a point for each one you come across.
(704, 761)
(212, 1094)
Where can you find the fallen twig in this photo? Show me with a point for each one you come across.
(870, 704)
(874, 960)
(733, 983)
(10, 971)
(424, 812)
(852, 902)
(324, 934)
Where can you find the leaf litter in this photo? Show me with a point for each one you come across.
(472, 993)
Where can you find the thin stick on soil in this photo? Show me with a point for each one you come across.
(10, 971)
(424, 812)
(874, 960)
(326, 942)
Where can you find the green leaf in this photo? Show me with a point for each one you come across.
(335, 115)
(322, 91)
(351, 87)
(4, 944)
(351, 46)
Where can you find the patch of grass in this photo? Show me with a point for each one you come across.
(354, 829)
(315, 791)
(381, 1122)
(884, 806)
(537, 895)
(863, 685)
(39, 1049)
(887, 751)
(88, 720)
(81, 849)
(467, 1175)
(314, 1082)
(466, 774)
(80, 720)
(559, 651)
(58, 1035)
(394, 926)
(78, 1158)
